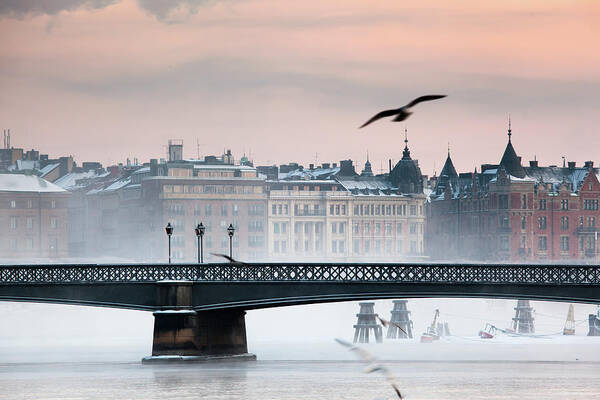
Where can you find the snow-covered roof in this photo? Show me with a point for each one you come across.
(142, 170)
(310, 174)
(70, 180)
(27, 183)
(224, 166)
(48, 168)
(118, 184)
(21, 165)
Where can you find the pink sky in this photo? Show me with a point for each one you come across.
(105, 80)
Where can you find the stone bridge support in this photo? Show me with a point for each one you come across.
(183, 334)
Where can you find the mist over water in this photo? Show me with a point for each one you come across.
(63, 333)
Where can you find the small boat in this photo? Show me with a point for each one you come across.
(432, 333)
(488, 332)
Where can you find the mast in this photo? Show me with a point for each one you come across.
(569, 328)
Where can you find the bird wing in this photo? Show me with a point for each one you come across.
(425, 98)
(225, 256)
(387, 323)
(344, 343)
(397, 391)
(383, 114)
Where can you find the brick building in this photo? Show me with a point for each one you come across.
(34, 215)
(515, 213)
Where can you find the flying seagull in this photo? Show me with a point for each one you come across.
(403, 112)
(387, 324)
(373, 366)
(230, 259)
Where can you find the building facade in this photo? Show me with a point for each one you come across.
(332, 213)
(515, 213)
(34, 214)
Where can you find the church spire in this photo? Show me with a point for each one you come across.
(509, 130)
(406, 152)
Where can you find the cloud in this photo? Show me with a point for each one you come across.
(172, 11)
(29, 8)
(168, 11)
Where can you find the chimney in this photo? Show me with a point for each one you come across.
(390, 165)
(571, 164)
(334, 165)
(325, 166)
(311, 166)
(533, 163)
(589, 164)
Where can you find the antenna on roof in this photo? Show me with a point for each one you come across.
(563, 157)
(509, 129)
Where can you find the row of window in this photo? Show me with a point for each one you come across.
(253, 209)
(27, 244)
(585, 243)
(29, 222)
(211, 189)
(28, 203)
(340, 209)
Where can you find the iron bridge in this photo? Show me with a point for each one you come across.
(260, 285)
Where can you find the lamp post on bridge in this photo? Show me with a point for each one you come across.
(230, 232)
(169, 230)
(200, 229)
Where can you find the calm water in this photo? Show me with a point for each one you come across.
(300, 380)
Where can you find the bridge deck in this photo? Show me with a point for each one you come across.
(248, 286)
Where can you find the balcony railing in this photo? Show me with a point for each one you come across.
(309, 213)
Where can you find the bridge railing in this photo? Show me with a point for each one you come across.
(311, 272)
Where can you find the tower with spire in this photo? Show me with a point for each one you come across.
(367, 171)
(406, 175)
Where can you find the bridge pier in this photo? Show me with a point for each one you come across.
(183, 334)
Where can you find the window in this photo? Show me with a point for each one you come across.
(274, 209)
(504, 243)
(399, 246)
(29, 244)
(503, 201)
(377, 228)
(591, 222)
(399, 228)
(208, 210)
(367, 246)
(13, 204)
(53, 222)
(337, 209)
(283, 246)
(334, 228)
(590, 244)
(504, 221)
(542, 243)
(413, 228)
(356, 246)
(29, 203)
(341, 246)
(29, 222)
(341, 230)
(413, 210)
(53, 204)
(564, 223)
(564, 243)
(276, 228)
(542, 222)
(13, 223)
(523, 222)
(223, 209)
(542, 204)
(355, 227)
(524, 201)
(590, 204)
(307, 227)
(276, 246)
(283, 226)
(235, 210)
(343, 209)
(318, 228)
(388, 228)
(564, 204)
(331, 209)
(334, 246)
(367, 228)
